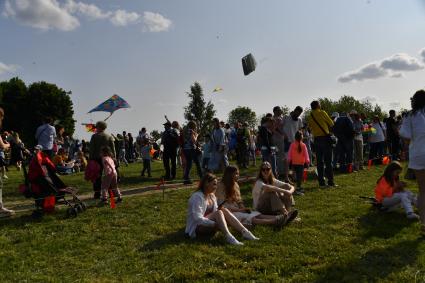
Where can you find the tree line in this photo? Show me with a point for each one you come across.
(26, 107)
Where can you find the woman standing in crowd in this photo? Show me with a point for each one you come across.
(358, 140)
(228, 194)
(191, 152)
(204, 217)
(377, 140)
(4, 212)
(413, 130)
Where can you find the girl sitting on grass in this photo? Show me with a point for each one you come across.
(110, 177)
(298, 158)
(271, 196)
(391, 192)
(228, 194)
(205, 218)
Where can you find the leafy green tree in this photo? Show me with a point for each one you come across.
(155, 134)
(26, 107)
(51, 101)
(243, 114)
(347, 103)
(198, 110)
(13, 95)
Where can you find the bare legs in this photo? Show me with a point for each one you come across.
(420, 177)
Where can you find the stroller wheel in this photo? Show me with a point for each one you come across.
(79, 208)
(72, 212)
(83, 206)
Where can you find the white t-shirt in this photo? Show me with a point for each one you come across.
(258, 187)
(291, 126)
(413, 128)
(379, 136)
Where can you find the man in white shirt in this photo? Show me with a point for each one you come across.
(45, 136)
(292, 123)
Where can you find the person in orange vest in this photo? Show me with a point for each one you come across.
(391, 192)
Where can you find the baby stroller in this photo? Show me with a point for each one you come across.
(44, 185)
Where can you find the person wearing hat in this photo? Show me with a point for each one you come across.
(4, 212)
(99, 140)
(170, 141)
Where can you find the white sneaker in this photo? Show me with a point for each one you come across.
(233, 241)
(5, 177)
(413, 216)
(246, 234)
(4, 212)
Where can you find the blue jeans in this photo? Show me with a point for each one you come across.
(270, 156)
(324, 160)
(191, 156)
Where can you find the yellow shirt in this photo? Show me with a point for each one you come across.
(323, 119)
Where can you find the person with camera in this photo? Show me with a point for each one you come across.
(320, 124)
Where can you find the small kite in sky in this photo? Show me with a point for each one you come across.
(111, 105)
(217, 89)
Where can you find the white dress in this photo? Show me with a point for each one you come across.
(413, 128)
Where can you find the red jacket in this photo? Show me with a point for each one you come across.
(37, 169)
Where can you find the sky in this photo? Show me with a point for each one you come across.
(150, 53)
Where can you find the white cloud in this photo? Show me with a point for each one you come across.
(392, 66)
(7, 68)
(370, 99)
(41, 14)
(401, 62)
(397, 75)
(422, 53)
(154, 22)
(53, 14)
(123, 18)
(394, 105)
(370, 71)
(90, 10)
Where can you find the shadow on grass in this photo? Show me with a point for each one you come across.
(382, 224)
(373, 266)
(176, 238)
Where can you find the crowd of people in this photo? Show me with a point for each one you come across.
(287, 143)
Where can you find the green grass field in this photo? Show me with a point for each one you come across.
(340, 239)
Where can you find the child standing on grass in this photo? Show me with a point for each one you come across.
(110, 176)
(299, 158)
(145, 152)
(391, 192)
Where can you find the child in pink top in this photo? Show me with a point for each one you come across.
(109, 180)
(299, 158)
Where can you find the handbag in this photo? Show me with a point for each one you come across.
(331, 137)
